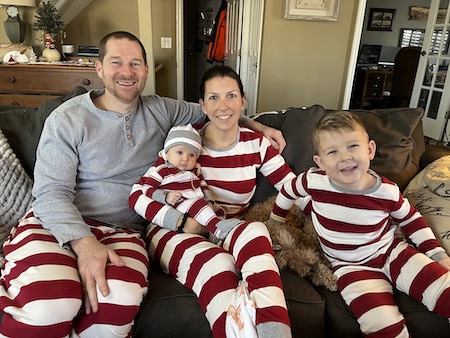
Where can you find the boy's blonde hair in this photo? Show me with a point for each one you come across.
(337, 121)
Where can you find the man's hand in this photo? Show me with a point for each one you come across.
(92, 258)
(275, 136)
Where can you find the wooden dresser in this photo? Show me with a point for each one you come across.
(30, 85)
(370, 85)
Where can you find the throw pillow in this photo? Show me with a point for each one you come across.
(15, 191)
(297, 125)
(429, 193)
(400, 143)
(23, 127)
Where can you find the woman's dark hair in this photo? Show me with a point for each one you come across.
(220, 71)
(119, 35)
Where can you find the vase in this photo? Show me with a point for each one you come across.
(51, 54)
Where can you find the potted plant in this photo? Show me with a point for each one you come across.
(49, 22)
(48, 18)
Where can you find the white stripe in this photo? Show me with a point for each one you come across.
(218, 305)
(216, 265)
(379, 318)
(356, 289)
(104, 330)
(46, 273)
(65, 311)
(123, 293)
(268, 296)
(434, 290)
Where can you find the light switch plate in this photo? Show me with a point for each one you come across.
(166, 42)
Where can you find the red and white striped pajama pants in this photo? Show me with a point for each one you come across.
(367, 289)
(213, 271)
(41, 293)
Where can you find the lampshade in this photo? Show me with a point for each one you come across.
(14, 27)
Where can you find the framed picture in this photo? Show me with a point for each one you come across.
(421, 13)
(312, 9)
(380, 19)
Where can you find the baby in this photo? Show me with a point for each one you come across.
(175, 179)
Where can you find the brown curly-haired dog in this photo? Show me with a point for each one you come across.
(295, 244)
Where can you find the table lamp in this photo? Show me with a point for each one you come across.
(14, 27)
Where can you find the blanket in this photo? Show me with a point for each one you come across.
(15, 190)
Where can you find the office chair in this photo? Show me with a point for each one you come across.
(405, 69)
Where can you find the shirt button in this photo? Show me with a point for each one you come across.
(127, 127)
(129, 137)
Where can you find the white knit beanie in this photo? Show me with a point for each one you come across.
(183, 135)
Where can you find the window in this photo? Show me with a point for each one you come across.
(411, 37)
(414, 38)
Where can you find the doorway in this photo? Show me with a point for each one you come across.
(198, 23)
(389, 40)
(243, 45)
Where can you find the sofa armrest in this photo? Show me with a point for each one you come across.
(432, 153)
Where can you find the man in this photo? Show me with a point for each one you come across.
(82, 243)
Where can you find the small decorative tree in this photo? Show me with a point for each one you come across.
(48, 19)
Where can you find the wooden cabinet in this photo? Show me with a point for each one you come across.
(370, 84)
(30, 85)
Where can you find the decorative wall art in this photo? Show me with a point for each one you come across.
(312, 9)
(421, 13)
(380, 19)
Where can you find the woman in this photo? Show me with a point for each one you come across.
(230, 159)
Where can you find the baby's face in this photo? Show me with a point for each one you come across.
(182, 157)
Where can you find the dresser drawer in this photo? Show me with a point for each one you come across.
(47, 80)
(30, 85)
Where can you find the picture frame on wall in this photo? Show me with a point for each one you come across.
(380, 19)
(312, 9)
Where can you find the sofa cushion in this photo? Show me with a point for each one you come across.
(297, 125)
(420, 321)
(23, 127)
(15, 188)
(400, 143)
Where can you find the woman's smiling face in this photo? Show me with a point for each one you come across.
(223, 102)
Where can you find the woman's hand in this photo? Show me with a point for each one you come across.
(193, 227)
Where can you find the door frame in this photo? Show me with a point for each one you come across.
(243, 65)
(179, 19)
(351, 69)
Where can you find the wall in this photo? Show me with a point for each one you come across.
(164, 25)
(304, 62)
(401, 20)
(101, 17)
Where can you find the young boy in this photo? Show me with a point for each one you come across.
(175, 179)
(356, 213)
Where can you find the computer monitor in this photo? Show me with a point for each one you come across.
(369, 54)
(387, 55)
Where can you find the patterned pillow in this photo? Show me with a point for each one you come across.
(15, 191)
(429, 192)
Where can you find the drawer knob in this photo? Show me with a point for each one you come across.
(86, 82)
(11, 79)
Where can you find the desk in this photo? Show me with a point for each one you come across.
(29, 85)
(370, 85)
